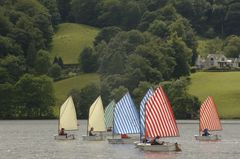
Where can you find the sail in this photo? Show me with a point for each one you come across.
(126, 117)
(209, 117)
(142, 110)
(160, 120)
(68, 117)
(109, 114)
(96, 116)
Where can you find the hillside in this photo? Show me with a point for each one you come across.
(63, 87)
(223, 86)
(70, 39)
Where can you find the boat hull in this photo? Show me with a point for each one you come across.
(64, 137)
(94, 138)
(208, 138)
(166, 147)
(121, 141)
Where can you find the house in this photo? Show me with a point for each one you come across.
(216, 60)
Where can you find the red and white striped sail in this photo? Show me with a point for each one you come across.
(209, 117)
(160, 120)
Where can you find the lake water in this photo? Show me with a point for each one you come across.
(33, 139)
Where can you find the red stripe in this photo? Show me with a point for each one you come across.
(209, 117)
(160, 120)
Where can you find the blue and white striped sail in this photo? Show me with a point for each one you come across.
(142, 109)
(126, 117)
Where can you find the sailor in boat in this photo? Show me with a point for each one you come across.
(156, 141)
(61, 132)
(205, 132)
(124, 136)
(91, 132)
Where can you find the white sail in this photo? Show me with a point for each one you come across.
(96, 116)
(68, 117)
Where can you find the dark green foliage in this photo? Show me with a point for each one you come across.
(42, 63)
(185, 106)
(64, 9)
(36, 96)
(52, 7)
(8, 101)
(55, 71)
(84, 98)
(88, 60)
(106, 34)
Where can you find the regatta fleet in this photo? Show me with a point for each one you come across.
(121, 123)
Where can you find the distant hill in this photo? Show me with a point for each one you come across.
(70, 39)
(223, 86)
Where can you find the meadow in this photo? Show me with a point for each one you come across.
(70, 40)
(223, 86)
(63, 87)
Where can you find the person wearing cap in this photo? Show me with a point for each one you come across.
(205, 132)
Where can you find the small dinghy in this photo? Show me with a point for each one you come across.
(67, 120)
(209, 120)
(125, 121)
(96, 122)
(159, 122)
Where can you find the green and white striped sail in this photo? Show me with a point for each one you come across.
(109, 114)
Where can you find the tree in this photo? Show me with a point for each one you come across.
(88, 60)
(118, 93)
(106, 34)
(182, 56)
(64, 8)
(36, 96)
(158, 28)
(42, 63)
(231, 47)
(184, 105)
(55, 71)
(8, 101)
(85, 98)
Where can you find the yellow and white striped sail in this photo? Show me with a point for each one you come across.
(96, 116)
(68, 117)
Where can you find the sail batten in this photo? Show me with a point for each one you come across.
(96, 116)
(209, 117)
(160, 120)
(126, 119)
(68, 118)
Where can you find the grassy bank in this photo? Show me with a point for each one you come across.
(70, 39)
(223, 86)
(63, 87)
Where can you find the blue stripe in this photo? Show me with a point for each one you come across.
(142, 109)
(126, 117)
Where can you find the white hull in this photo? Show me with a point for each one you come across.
(94, 138)
(208, 138)
(166, 147)
(121, 141)
(64, 137)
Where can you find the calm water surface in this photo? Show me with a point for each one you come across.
(34, 140)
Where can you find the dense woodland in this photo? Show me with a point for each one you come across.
(142, 43)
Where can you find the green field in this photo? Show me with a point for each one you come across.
(70, 40)
(223, 86)
(63, 87)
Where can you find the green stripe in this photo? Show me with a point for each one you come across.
(109, 114)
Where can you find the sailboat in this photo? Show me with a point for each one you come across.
(209, 119)
(125, 120)
(108, 115)
(159, 122)
(67, 119)
(96, 121)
